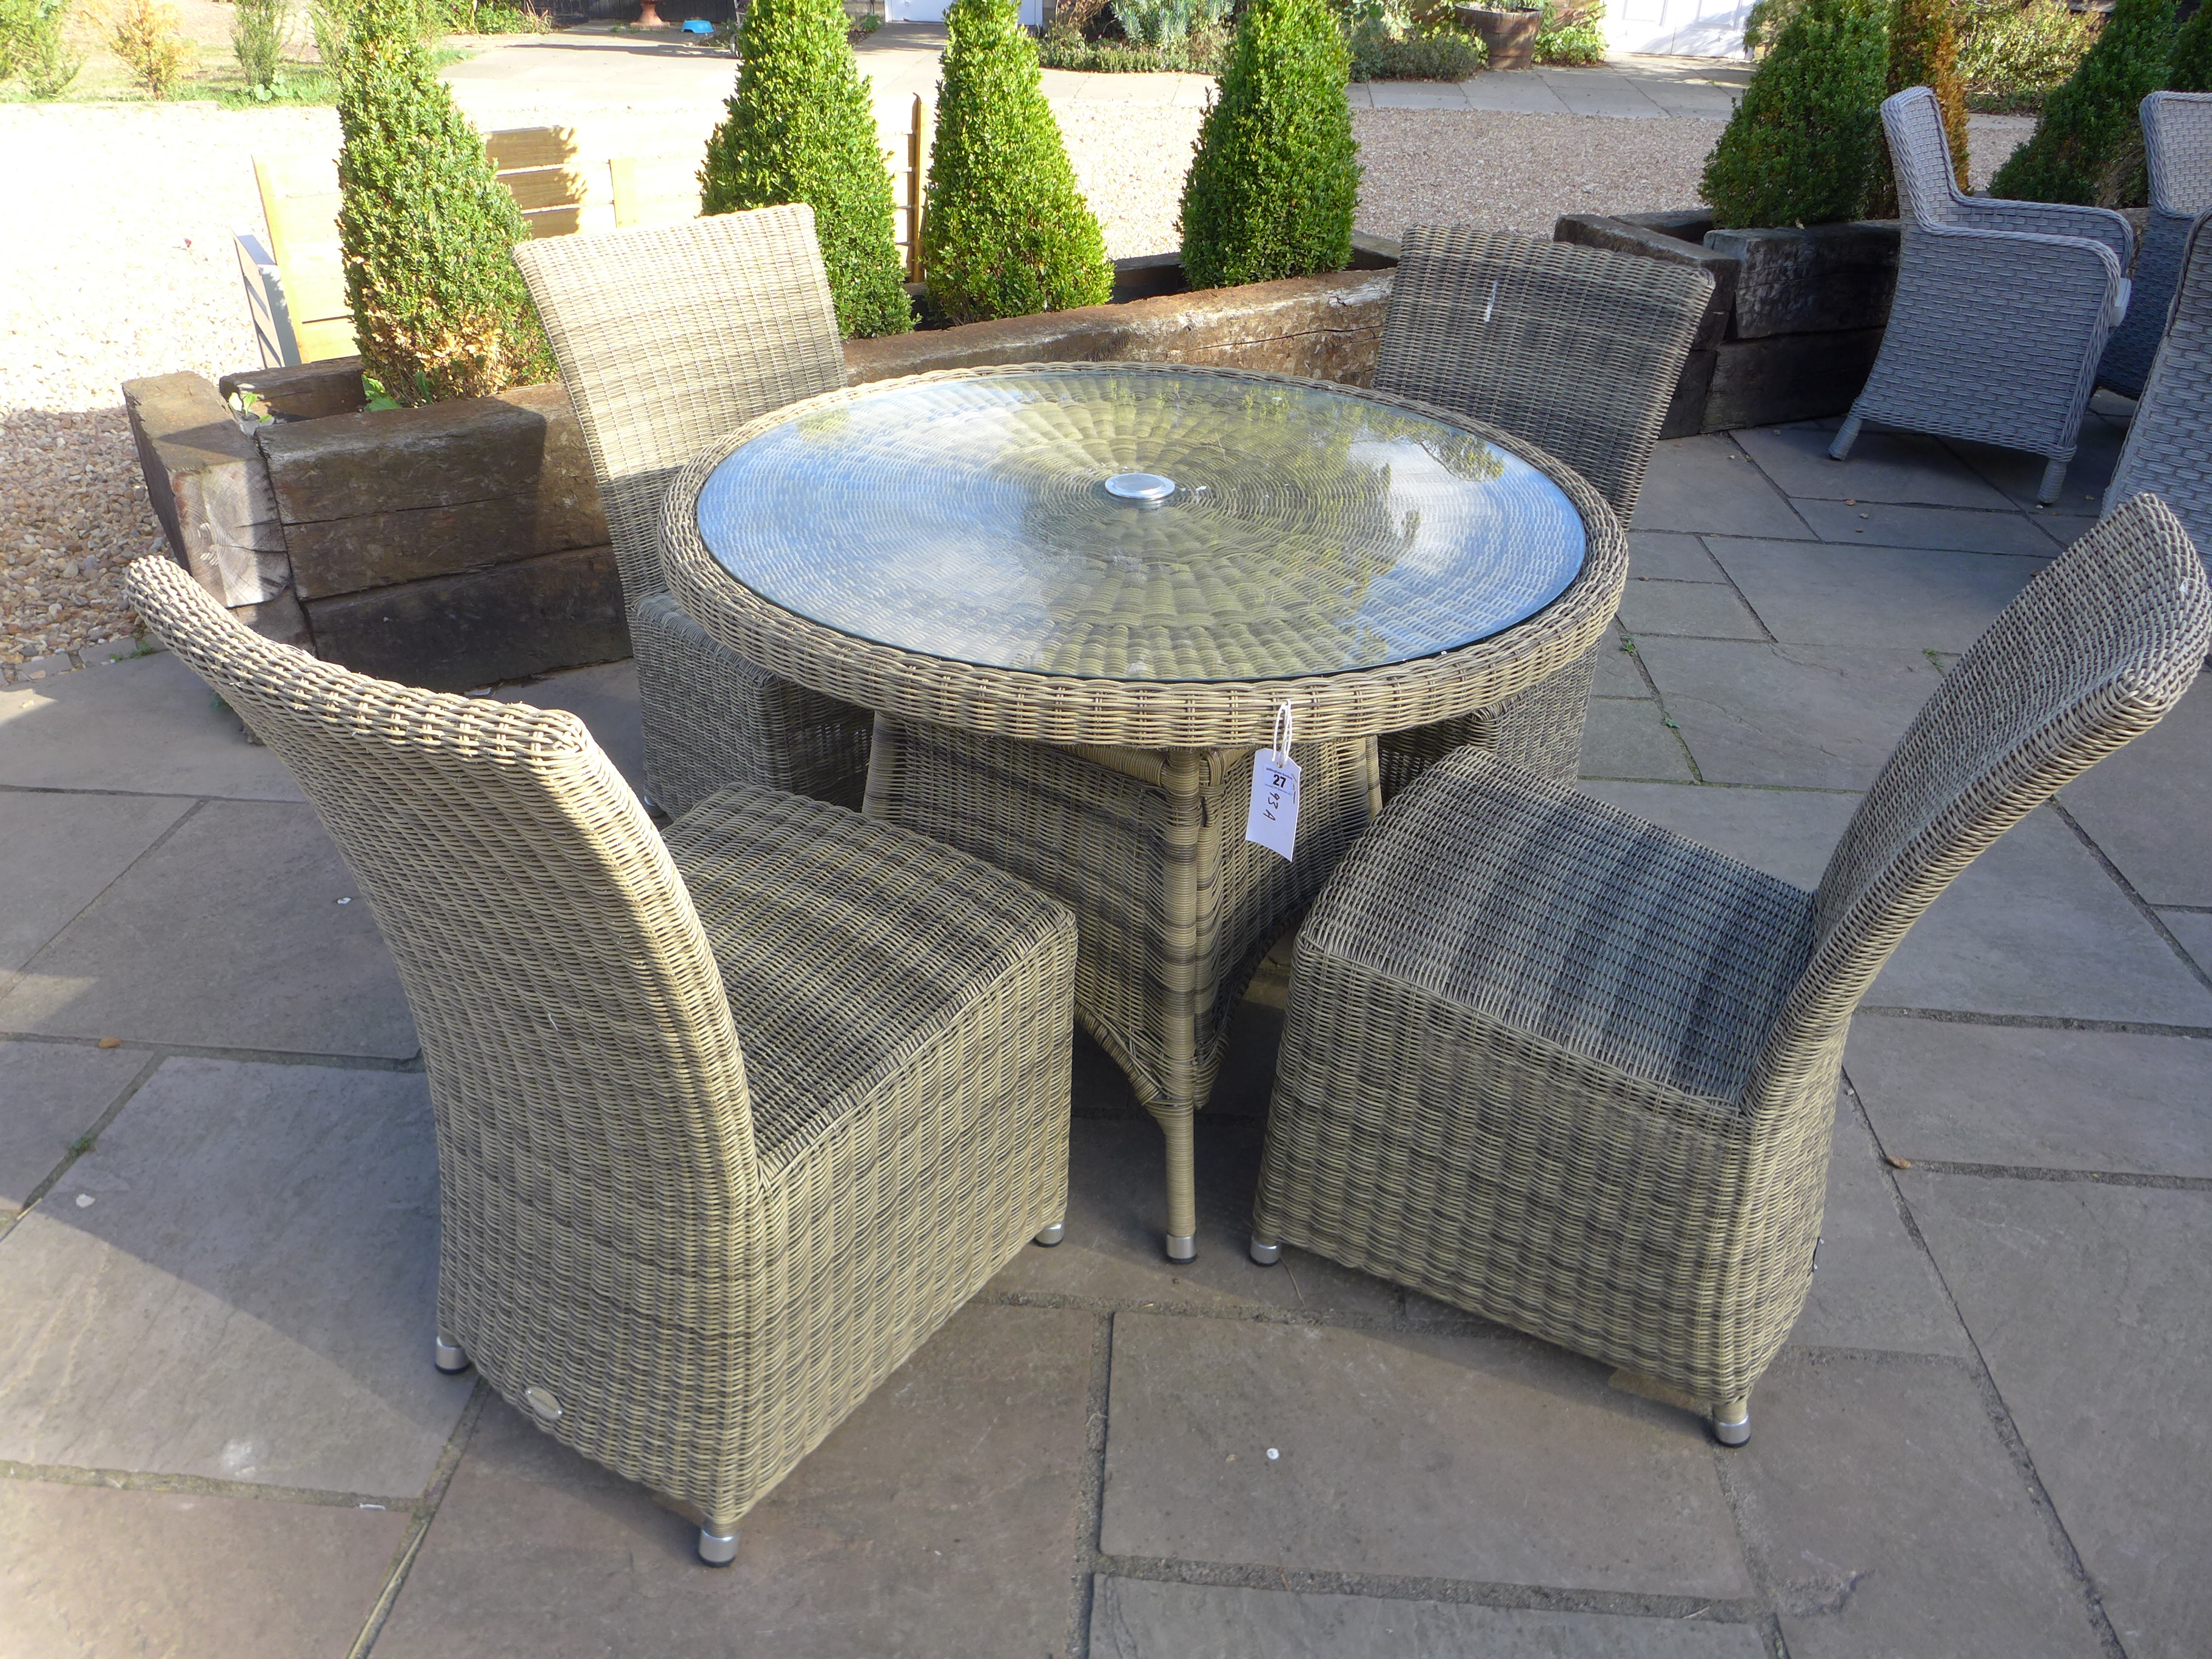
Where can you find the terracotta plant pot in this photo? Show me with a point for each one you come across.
(1511, 35)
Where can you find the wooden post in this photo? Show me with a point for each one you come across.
(915, 148)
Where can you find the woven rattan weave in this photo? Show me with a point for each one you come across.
(1575, 349)
(1566, 1069)
(2176, 129)
(1133, 814)
(727, 1124)
(667, 337)
(2168, 451)
(2002, 309)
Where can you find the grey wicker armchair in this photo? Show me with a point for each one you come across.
(1559, 1066)
(2176, 129)
(667, 338)
(1576, 349)
(2168, 451)
(727, 1123)
(2002, 310)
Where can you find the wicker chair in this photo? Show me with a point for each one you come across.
(2002, 309)
(1577, 351)
(2167, 451)
(1571, 1072)
(727, 1124)
(668, 338)
(2176, 128)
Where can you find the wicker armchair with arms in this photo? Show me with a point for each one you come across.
(668, 338)
(2168, 450)
(1558, 1065)
(1577, 351)
(2002, 309)
(2176, 129)
(728, 1121)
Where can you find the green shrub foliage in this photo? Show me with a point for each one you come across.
(31, 49)
(426, 228)
(1804, 145)
(2191, 69)
(1004, 231)
(1276, 175)
(1923, 51)
(800, 129)
(2089, 125)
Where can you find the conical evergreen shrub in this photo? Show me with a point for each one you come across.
(1804, 145)
(1923, 51)
(2080, 149)
(1004, 231)
(426, 228)
(2191, 68)
(1276, 172)
(800, 129)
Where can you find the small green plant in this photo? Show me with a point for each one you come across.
(1573, 32)
(1802, 146)
(146, 35)
(2190, 68)
(2079, 150)
(30, 47)
(800, 129)
(1005, 231)
(869, 23)
(425, 227)
(256, 38)
(1388, 43)
(1275, 177)
(1063, 47)
(1168, 22)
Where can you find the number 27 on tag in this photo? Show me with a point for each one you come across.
(1273, 821)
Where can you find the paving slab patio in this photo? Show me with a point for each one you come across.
(1139, 1619)
(2088, 1302)
(1988, 1423)
(93, 1571)
(236, 1283)
(941, 1517)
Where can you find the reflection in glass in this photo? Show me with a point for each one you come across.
(1308, 531)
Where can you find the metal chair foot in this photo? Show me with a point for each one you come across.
(1732, 1423)
(1052, 1235)
(716, 1549)
(1265, 1255)
(447, 1356)
(1182, 1247)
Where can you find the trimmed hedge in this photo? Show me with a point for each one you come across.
(1006, 232)
(1804, 145)
(1272, 188)
(2080, 149)
(799, 129)
(426, 228)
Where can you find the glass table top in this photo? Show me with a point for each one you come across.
(1143, 526)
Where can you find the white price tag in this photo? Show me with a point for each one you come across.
(1273, 821)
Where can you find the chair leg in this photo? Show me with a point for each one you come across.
(1846, 436)
(2054, 479)
(1052, 1235)
(1732, 1422)
(717, 1549)
(447, 1356)
(1265, 1255)
(1182, 1195)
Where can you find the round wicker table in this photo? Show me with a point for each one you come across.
(1078, 596)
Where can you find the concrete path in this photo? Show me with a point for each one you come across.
(221, 1435)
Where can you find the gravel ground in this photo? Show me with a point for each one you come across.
(121, 265)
